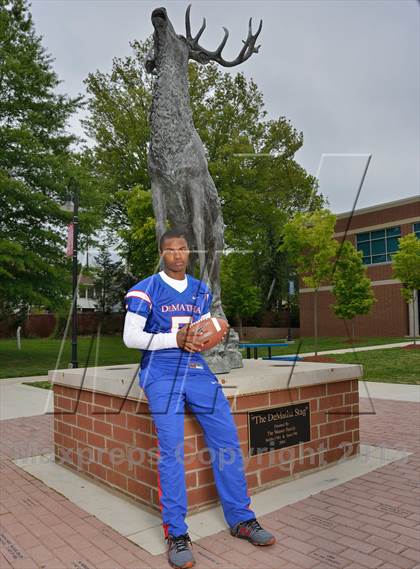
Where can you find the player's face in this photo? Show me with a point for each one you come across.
(175, 256)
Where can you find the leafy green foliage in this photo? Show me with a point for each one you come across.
(406, 268)
(351, 286)
(406, 265)
(139, 239)
(309, 243)
(241, 297)
(308, 240)
(110, 280)
(36, 164)
(118, 121)
(251, 160)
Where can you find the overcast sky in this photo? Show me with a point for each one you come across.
(345, 72)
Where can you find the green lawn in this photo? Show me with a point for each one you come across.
(308, 344)
(37, 356)
(393, 365)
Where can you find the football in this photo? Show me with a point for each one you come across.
(212, 330)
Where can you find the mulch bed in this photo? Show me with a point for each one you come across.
(322, 359)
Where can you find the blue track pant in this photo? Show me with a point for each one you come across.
(205, 398)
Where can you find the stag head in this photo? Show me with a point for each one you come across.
(178, 49)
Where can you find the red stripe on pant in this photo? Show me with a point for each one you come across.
(165, 526)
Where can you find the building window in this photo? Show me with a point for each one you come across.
(378, 246)
(416, 229)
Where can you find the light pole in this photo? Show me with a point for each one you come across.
(72, 204)
(290, 292)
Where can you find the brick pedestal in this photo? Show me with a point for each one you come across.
(104, 429)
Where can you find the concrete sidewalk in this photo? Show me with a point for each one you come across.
(357, 349)
(392, 391)
(20, 400)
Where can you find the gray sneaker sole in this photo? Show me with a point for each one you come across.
(272, 541)
(186, 565)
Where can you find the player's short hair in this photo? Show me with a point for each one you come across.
(175, 232)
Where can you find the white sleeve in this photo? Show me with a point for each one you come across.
(135, 337)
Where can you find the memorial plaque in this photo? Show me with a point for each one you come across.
(278, 427)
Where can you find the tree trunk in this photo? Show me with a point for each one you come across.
(414, 317)
(239, 320)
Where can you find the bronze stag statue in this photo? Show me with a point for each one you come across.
(183, 192)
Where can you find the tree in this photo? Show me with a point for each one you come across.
(118, 122)
(406, 268)
(241, 297)
(139, 246)
(251, 160)
(36, 164)
(351, 287)
(308, 240)
(109, 280)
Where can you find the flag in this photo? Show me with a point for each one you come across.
(69, 251)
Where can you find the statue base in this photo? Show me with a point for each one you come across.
(226, 356)
(287, 427)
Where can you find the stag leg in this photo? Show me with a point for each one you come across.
(214, 239)
(199, 228)
(159, 208)
(229, 351)
(215, 246)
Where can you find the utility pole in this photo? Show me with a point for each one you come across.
(72, 205)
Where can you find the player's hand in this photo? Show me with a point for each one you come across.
(189, 340)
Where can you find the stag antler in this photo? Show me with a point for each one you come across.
(204, 56)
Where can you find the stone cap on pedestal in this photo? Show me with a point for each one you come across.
(257, 376)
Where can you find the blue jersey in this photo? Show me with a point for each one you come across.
(168, 310)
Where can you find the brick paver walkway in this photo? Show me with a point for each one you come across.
(372, 521)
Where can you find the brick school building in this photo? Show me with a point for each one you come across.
(374, 231)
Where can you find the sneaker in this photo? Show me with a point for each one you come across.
(253, 532)
(179, 552)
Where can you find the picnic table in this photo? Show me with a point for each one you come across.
(256, 346)
(286, 358)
